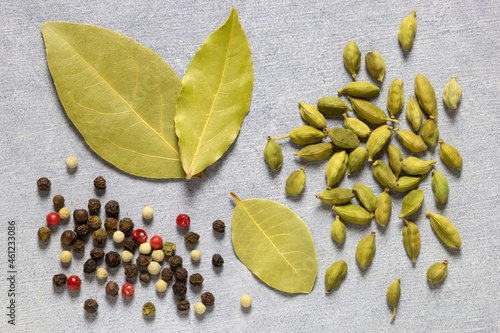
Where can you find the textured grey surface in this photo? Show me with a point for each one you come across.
(297, 53)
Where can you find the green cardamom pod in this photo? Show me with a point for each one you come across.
(332, 106)
(338, 230)
(414, 114)
(437, 272)
(343, 137)
(336, 168)
(450, 155)
(445, 230)
(411, 140)
(393, 293)
(357, 126)
(452, 93)
(360, 89)
(316, 152)
(377, 140)
(365, 196)
(407, 31)
(335, 274)
(412, 201)
(366, 250)
(273, 154)
(395, 97)
(405, 183)
(411, 240)
(384, 174)
(375, 65)
(384, 208)
(336, 196)
(426, 96)
(304, 135)
(295, 182)
(310, 114)
(415, 166)
(369, 111)
(357, 159)
(395, 158)
(352, 58)
(440, 187)
(353, 214)
(430, 132)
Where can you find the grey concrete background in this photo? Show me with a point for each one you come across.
(297, 53)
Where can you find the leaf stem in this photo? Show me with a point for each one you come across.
(235, 197)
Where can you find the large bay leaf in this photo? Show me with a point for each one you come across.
(215, 96)
(275, 244)
(119, 94)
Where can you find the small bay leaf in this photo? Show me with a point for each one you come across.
(215, 96)
(275, 244)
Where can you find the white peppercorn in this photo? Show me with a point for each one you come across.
(72, 162)
(158, 255)
(102, 274)
(246, 301)
(145, 248)
(161, 286)
(195, 255)
(65, 256)
(200, 308)
(64, 213)
(127, 256)
(118, 236)
(147, 213)
(154, 268)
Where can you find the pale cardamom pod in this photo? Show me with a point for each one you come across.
(414, 114)
(365, 196)
(377, 140)
(395, 97)
(357, 159)
(450, 155)
(384, 208)
(338, 230)
(437, 272)
(415, 166)
(366, 250)
(353, 214)
(316, 152)
(360, 89)
(375, 65)
(445, 230)
(440, 187)
(395, 158)
(452, 93)
(336, 196)
(304, 135)
(384, 174)
(336, 168)
(335, 274)
(273, 154)
(412, 201)
(411, 140)
(357, 126)
(352, 58)
(426, 96)
(405, 183)
(393, 293)
(369, 111)
(332, 106)
(430, 132)
(411, 240)
(343, 137)
(407, 31)
(295, 182)
(310, 114)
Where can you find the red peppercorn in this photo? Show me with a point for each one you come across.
(74, 283)
(183, 220)
(156, 242)
(140, 235)
(128, 290)
(52, 219)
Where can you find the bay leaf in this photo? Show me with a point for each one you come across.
(119, 94)
(215, 96)
(274, 244)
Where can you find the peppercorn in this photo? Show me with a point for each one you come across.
(80, 216)
(43, 184)
(59, 280)
(90, 266)
(168, 248)
(217, 260)
(64, 213)
(147, 213)
(145, 277)
(200, 308)
(94, 222)
(112, 288)
(148, 309)
(78, 246)
(157, 255)
(219, 226)
(145, 248)
(44, 234)
(207, 298)
(143, 260)
(196, 279)
(195, 255)
(94, 206)
(113, 259)
(102, 274)
(246, 301)
(68, 237)
(154, 268)
(131, 272)
(179, 289)
(111, 224)
(118, 237)
(97, 253)
(72, 162)
(65, 257)
(112, 208)
(161, 286)
(167, 274)
(100, 235)
(100, 183)
(127, 256)
(126, 225)
(175, 261)
(90, 305)
(181, 274)
(183, 305)
(82, 230)
(58, 201)
(129, 244)
(191, 238)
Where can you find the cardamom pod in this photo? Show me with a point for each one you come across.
(335, 168)
(352, 58)
(411, 240)
(440, 187)
(395, 97)
(412, 201)
(295, 182)
(336, 196)
(304, 135)
(335, 274)
(411, 140)
(445, 230)
(384, 174)
(366, 250)
(353, 214)
(393, 293)
(315, 152)
(437, 272)
(365, 196)
(405, 183)
(338, 230)
(426, 96)
(360, 89)
(414, 114)
(395, 158)
(310, 114)
(452, 93)
(384, 208)
(273, 154)
(357, 159)
(377, 140)
(430, 132)
(450, 155)
(357, 126)
(343, 137)
(407, 31)
(332, 106)
(415, 166)
(369, 111)
(375, 65)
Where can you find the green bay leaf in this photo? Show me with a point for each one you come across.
(119, 94)
(275, 244)
(215, 96)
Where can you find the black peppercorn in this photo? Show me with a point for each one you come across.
(219, 226)
(58, 201)
(183, 305)
(94, 206)
(145, 277)
(43, 184)
(179, 289)
(167, 274)
(112, 208)
(59, 280)
(112, 288)
(110, 223)
(217, 260)
(191, 238)
(44, 234)
(207, 298)
(90, 266)
(143, 260)
(68, 237)
(196, 279)
(78, 246)
(131, 272)
(100, 183)
(90, 305)
(126, 225)
(100, 235)
(175, 261)
(181, 274)
(94, 222)
(129, 244)
(80, 216)
(113, 259)
(82, 230)
(97, 253)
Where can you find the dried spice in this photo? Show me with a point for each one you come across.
(273, 154)
(112, 208)
(445, 230)
(217, 260)
(353, 213)
(145, 277)
(336, 196)
(395, 98)
(384, 174)
(437, 272)
(412, 201)
(112, 288)
(357, 126)
(195, 255)
(304, 135)
(452, 93)
(343, 137)
(207, 298)
(183, 305)
(200, 308)
(366, 250)
(100, 183)
(393, 293)
(148, 309)
(395, 158)
(44, 234)
(65, 257)
(78, 246)
(440, 187)
(338, 230)
(357, 159)
(414, 114)
(131, 272)
(414, 166)
(179, 289)
(68, 237)
(175, 261)
(365, 196)
(91, 305)
(315, 152)
(407, 31)
(246, 301)
(334, 275)
(369, 111)
(295, 182)
(411, 239)
(72, 162)
(90, 266)
(168, 249)
(59, 280)
(430, 132)
(405, 183)
(97, 253)
(411, 140)
(375, 65)
(352, 58)
(360, 89)
(100, 235)
(450, 155)
(196, 279)
(384, 208)
(332, 106)
(111, 224)
(94, 222)
(377, 140)
(82, 230)
(191, 238)
(58, 201)
(167, 274)
(181, 274)
(94, 206)
(219, 226)
(129, 244)
(112, 259)
(80, 216)
(64, 213)
(43, 184)
(312, 116)
(426, 96)
(102, 274)
(126, 225)
(143, 260)
(336, 167)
